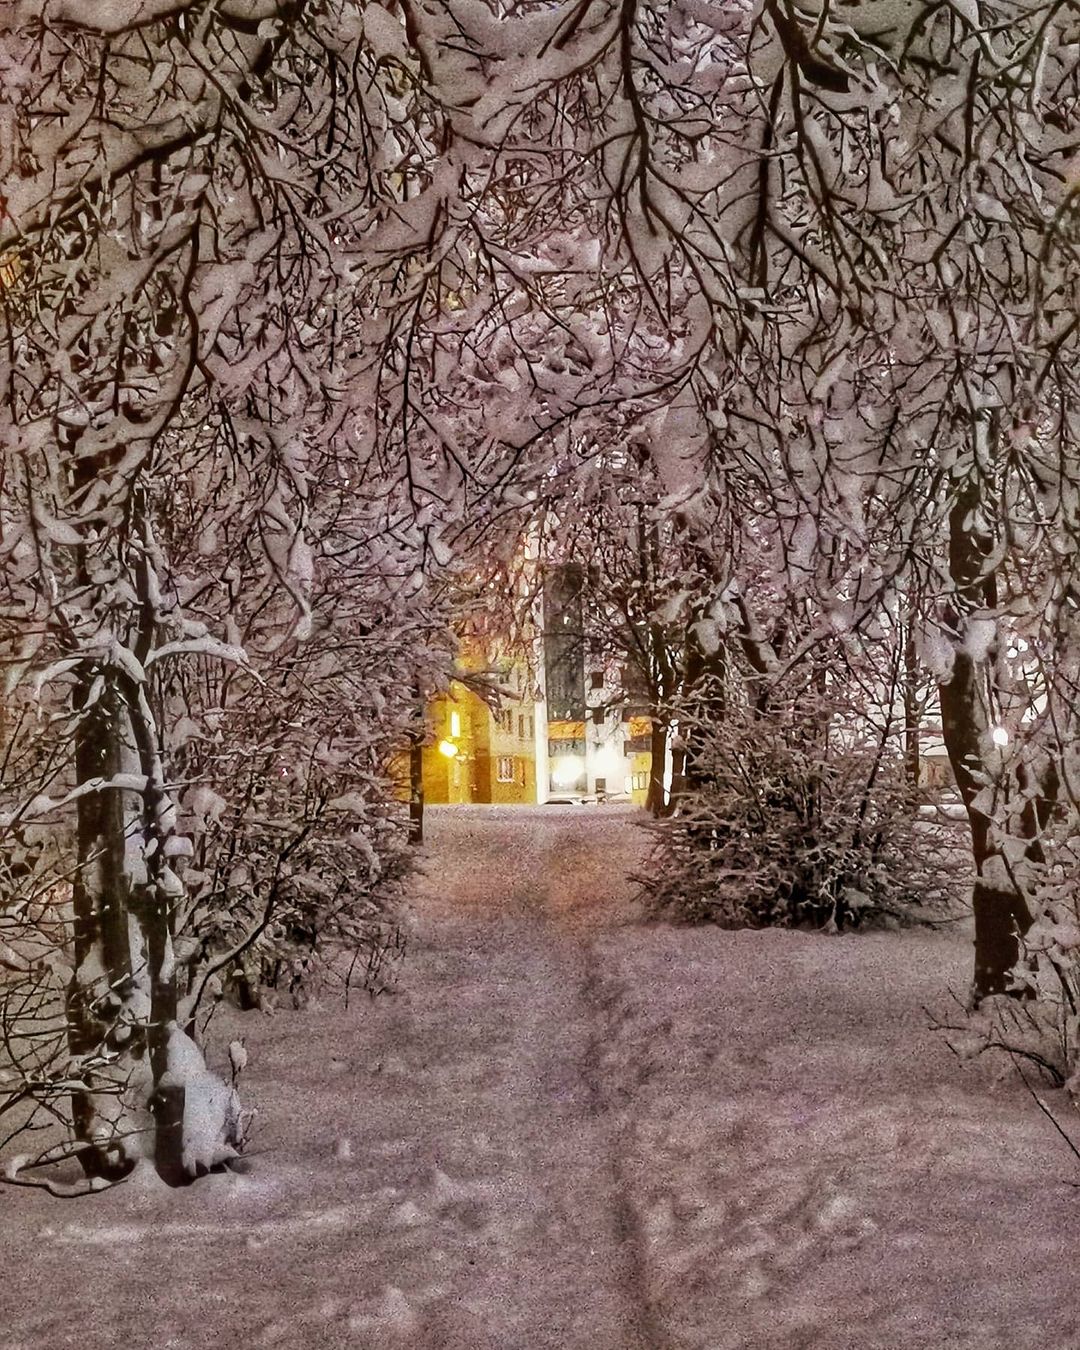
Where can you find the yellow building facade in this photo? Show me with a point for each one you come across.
(639, 753)
(475, 753)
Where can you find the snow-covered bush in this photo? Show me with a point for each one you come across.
(795, 818)
(294, 875)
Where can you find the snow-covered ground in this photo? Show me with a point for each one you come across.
(569, 1130)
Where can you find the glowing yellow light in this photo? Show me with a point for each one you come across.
(455, 724)
(448, 748)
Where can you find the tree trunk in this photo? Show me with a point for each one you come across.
(416, 788)
(1001, 912)
(912, 711)
(102, 983)
(137, 1063)
(659, 736)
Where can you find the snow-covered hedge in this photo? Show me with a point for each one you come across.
(788, 822)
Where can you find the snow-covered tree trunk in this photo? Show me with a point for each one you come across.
(102, 1003)
(147, 1092)
(975, 742)
(913, 718)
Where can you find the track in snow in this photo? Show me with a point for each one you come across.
(513, 903)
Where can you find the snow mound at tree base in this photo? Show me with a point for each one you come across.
(211, 1123)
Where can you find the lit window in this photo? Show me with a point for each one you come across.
(455, 724)
(504, 768)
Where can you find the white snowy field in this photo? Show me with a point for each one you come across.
(569, 1130)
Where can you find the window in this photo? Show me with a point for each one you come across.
(521, 726)
(532, 727)
(597, 679)
(504, 768)
(601, 785)
(455, 723)
(598, 717)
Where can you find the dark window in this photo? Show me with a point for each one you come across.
(598, 717)
(601, 785)
(596, 679)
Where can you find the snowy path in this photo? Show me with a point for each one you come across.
(571, 1132)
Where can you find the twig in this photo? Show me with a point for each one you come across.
(1046, 1111)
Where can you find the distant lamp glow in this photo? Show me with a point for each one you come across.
(455, 724)
(999, 736)
(448, 748)
(567, 770)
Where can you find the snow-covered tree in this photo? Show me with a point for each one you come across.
(914, 238)
(839, 277)
(202, 542)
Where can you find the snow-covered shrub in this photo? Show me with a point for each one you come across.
(288, 882)
(296, 847)
(791, 820)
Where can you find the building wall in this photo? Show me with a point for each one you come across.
(566, 756)
(606, 751)
(564, 643)
(639, 733)
(496, 755)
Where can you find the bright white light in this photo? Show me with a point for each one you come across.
(608, 759)
(455, 724)
(567, 770)
(448, 748)
(999, 736)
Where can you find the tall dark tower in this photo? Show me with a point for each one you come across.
(564, 643)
